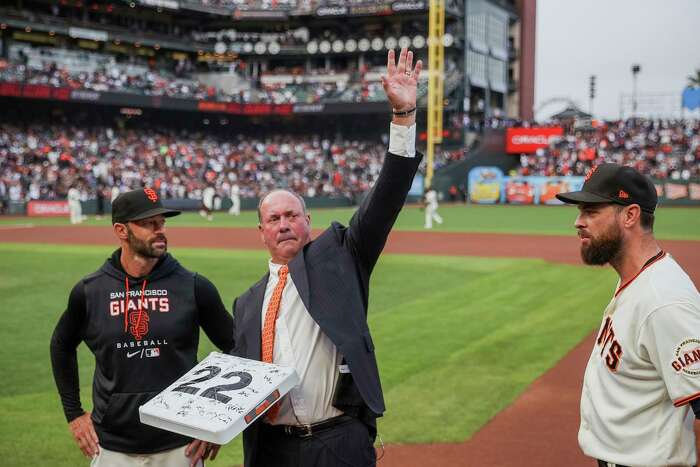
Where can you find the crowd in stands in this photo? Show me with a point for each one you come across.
(109, 76)
(43, 162)
(663, 149)
(287, 5)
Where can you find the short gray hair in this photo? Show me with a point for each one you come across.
(276, 190)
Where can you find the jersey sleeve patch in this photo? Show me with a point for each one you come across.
(686, 359)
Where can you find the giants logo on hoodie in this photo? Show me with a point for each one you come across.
(137, 307)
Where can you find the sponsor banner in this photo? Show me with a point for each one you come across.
(90, 34)
(170, 4)
(47, 208)
(678, 192)
(366, 9)
(519, 191)
(529, 140)
(308, 108)
(673, 191)
(275, 15)
(485, 185)
(36, 91)
(402, 6)
(694, 192)
(84, 95)
(245, 109)
(335, 10)
(537, 190)
(10, 89)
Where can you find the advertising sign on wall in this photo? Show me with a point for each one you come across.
(485, 185)
(538, 190)
(529, 140)
(47, 208)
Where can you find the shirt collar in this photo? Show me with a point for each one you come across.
(274, 268)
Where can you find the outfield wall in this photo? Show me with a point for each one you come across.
(488, 185)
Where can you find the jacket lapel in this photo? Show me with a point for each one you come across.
(297, 269)
(253, 323)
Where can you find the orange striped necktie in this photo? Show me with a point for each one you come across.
(268, 333)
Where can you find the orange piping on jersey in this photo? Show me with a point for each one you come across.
(685, 400)
(661, 255)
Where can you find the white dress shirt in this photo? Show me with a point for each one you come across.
(300, 344)
(402, 140)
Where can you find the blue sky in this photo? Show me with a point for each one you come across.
(576, 39)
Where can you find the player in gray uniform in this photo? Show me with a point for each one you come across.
(643, 376)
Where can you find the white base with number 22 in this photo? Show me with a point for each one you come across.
(220, 397)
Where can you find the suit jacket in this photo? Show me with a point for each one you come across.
(331, 274)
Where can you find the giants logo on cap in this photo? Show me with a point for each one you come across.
(590, 173)
(151, 194)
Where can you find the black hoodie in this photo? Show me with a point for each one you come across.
(140, 346)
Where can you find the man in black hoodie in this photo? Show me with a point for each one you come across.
(140, 315)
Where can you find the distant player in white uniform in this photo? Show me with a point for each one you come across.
(115, 193)
(641, 389)
(431, 207)
(235, 194)
(208, 195)
(74, 207)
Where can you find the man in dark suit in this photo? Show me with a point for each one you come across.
(310, 310)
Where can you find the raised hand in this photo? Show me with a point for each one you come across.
(401, 80)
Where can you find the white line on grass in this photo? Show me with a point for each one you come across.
(17, 226)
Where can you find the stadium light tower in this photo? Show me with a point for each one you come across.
(635, 71)
(591, 94)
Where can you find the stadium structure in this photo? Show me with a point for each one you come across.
(186, 94)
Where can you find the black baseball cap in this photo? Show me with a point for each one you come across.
(139, 204)
(614, 183)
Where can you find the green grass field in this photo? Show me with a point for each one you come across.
(671, 223)
(457, 338)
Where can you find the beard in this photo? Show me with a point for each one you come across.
(145, 248)
(603, 249)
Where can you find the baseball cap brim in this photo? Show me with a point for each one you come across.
(577, 197)
(153, 212)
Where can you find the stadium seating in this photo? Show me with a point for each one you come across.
(663, 149)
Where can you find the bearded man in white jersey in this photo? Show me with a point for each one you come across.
(641, 389)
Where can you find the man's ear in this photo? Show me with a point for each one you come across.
(262, 234)
(121, 231)
(631, 215)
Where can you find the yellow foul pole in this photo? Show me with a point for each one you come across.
(436, 71)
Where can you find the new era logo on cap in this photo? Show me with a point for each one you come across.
(139, 204)
(614, 183)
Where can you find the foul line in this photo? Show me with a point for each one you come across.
(17, 226)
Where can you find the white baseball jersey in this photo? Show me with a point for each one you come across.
(208, 197)
(73, 195)
(643, 372)
(431, 199)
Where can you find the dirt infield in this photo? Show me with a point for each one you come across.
(538, 429)
(551, 248)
